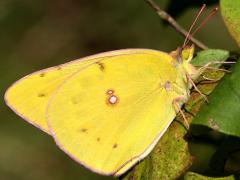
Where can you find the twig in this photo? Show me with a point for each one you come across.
(165, 16)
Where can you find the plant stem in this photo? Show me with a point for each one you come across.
(166, 17)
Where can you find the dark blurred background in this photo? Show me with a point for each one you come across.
(40, 33)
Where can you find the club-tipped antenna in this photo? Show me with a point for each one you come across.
(211, 14)
(193, 24)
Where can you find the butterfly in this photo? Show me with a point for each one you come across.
(107, 111)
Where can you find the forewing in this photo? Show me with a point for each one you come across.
(111, 114)
(29, 96)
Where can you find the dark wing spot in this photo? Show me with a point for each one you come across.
(42, 74)
(59, 68)
(41, 95)
(98, 139)
(101, 66)
(115, 145)
(83, 129)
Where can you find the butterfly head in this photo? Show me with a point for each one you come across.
(186, 56)
(183, 57)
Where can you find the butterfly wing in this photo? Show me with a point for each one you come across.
(111, 114)
(29, 96)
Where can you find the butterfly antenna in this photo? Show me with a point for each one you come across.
(193, 24)
(211, 14)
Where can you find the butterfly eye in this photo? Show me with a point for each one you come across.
(187, 53)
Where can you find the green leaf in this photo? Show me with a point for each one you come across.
(210, 55)
(195, 176)
(230, 10)
(226, 158)
(223, 111)
(169, 159)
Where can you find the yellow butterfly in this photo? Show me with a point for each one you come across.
(107, 111)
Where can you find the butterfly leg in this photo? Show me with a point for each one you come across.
(217, 69)
(176, 104)
(207, 66)
(210, 79)
(196, 88)
(204, 68)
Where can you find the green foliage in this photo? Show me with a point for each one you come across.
(169, 159)
(210, 55)
(195, 176)
(222, 111)
(230, 10)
